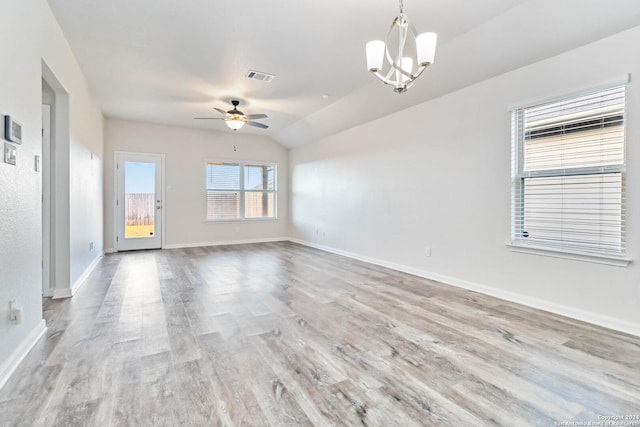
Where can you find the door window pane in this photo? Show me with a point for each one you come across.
(139, 199)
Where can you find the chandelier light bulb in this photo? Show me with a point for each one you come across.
(401, 74)
(375, 55)
(426, 47)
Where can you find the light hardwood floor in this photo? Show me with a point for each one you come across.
(281, 334)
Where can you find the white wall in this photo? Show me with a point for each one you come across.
(30, 35)
(185, 152)
(438, 175)
(78, 166)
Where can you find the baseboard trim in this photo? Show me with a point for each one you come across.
(560, 309)
(110, 250)
(85, 274)
(18, 355)
(59, 293)
(224, 243)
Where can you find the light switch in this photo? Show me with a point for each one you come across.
(10, 153)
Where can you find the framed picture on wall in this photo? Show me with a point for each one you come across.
(12, 130)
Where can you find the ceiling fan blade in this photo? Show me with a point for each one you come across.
(224, 113)
(208, 118)
(258, 125)
(256, 116)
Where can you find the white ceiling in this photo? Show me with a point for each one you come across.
(167, 62)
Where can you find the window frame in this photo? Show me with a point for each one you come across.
(242, 191)
(519, 175)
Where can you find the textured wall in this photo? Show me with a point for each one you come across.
(30, 36)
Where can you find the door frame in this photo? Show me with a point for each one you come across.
(46, 185)
(116, 195)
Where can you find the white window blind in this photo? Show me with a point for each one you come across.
(568, 174)
(240, 191)
(223, 191)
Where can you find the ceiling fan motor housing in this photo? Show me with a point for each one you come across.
(235, 111)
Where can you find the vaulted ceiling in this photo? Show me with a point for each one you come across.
(166, 61)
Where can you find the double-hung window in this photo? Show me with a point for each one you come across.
(240, 190)
(568, 174)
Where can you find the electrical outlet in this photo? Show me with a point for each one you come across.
(427, 251)
(90, 246)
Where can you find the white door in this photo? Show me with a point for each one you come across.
(139, 191)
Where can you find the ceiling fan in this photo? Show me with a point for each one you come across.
(235, 118)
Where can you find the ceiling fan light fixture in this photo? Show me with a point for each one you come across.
(236, 122)
(401, 74)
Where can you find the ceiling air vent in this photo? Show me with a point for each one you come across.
(259, 75)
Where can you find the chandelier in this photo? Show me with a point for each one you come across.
(402, 71)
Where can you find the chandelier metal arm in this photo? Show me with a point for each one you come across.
(403, 71)
(387, 79)
(404, 28)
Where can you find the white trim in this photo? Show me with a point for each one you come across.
(46, 184)
(226, 242)
(21, 351)
(80, 281)
(261, 219)
(247, 162)
(576, 256)
(115, 199)
(61, 293)
(110, 250)
(562, 310)
(575, 91)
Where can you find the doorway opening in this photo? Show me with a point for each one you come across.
(54, 166)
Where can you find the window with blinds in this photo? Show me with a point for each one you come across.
(569, 173)
(237, 191)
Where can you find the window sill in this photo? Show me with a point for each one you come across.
(618, 261)
(218, 221)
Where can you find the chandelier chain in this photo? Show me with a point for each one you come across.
(401, 7)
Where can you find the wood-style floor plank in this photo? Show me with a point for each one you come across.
(280, 334)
